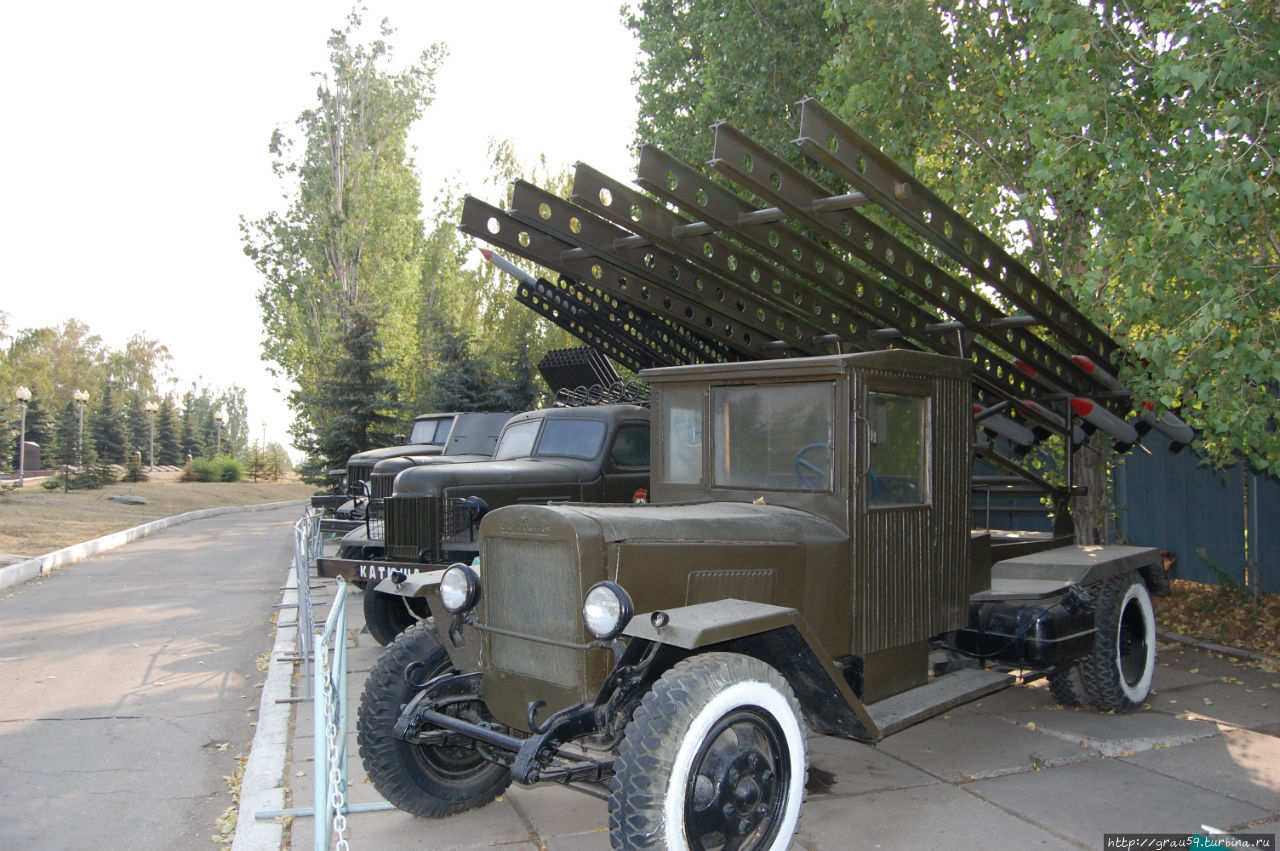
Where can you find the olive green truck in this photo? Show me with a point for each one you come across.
(806, 560)
(805, 555)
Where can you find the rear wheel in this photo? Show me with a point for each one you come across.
(425, 780)
(1067, 685)
(1117, 673)
(713, 758)
(388, 615)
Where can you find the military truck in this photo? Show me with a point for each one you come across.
(806, 560)
(805, 554)
(451, 436)
(582, 453)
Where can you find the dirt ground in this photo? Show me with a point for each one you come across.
(35, 521)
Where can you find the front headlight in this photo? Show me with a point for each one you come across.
(606, 610)
(459, 588)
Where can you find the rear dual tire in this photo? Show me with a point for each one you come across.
(1116, 675)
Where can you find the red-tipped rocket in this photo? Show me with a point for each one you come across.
(1098, 374)
(1169, 424)
(999, 424)
(1077, 434)
(1037, 376)
(507, 266)
(1100, 417)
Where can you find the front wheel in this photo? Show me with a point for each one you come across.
(713, 758)
(388, 615)
(1117, 673)
(431, 781)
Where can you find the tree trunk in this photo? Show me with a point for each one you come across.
(1092, 511)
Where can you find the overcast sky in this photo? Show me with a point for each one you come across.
(136, 136)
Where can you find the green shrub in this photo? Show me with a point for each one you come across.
(232, 470)
(220, 469)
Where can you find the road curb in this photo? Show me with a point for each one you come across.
(23, 571)
(1237, 653)
(263, 785)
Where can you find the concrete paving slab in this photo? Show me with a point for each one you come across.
(839, 768)
(1018, 698)
(1240, 764)
(1253, 709)
(1083, 802)
(498, 824)
(962, 746)
(564, 813)
(1117, 735)
(937, 816)
(1172, 678)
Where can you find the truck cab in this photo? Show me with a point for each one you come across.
(431, 516)
(433, 438)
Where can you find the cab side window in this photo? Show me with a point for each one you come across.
(899, 465)
(631, 446)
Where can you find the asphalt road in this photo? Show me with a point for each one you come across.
(130, 683)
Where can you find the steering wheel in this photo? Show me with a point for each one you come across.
(807, 470)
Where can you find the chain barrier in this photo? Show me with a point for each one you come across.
(307, 545)
(325, 657)
(330, 718)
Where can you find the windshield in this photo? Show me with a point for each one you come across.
(572, 437)
(575, 438)
(517, 440)
(779, 436)
(433, 431)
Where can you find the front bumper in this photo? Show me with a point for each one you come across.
(368, 570)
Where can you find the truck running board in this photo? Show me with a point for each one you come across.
(910, 707)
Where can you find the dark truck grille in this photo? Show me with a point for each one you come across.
(412, 525)
(416, 523)
(358, 473)
(530, 587)
(380, 485)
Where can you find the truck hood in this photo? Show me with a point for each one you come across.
(399, 463)
(373, 456)
(690, 522)
(435, 479)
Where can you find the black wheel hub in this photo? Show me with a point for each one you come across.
(738, 784)
(1132, 643)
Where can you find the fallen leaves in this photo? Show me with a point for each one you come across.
(1222, 615)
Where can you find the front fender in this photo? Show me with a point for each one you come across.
(704, 624)
(777, 635)
(421, 584)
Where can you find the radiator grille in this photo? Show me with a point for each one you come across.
(358, 473)
(412, 525)
(380, 485)
(530, 587)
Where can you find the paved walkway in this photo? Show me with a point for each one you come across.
(128, 685)
(1014, 770)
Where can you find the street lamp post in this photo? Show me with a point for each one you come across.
(23, 395)
(80, 397)
(220, 417)
(151, 408)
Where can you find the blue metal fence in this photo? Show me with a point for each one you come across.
(1220, 525)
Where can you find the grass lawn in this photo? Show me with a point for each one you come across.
(35, 521)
